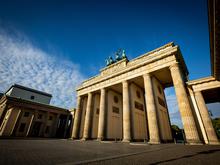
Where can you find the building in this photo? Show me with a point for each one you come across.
(1, 94)
(207, 89)
(27, 112)
(28, 94)
(126, 100)
(214, 31)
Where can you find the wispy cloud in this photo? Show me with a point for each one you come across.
(23, 63)
(173, 107)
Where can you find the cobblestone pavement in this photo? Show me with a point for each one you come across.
(67, 152)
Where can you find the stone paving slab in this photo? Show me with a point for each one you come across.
(66, 152)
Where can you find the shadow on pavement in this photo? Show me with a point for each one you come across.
(187, 156)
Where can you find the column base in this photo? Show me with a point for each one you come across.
(214, 143)
(194, 142)
(100, 139)
(71, 138)
(154, 142)
(84, 139)
(126, 141)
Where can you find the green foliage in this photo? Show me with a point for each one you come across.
(177, 133)
(216, 125)
(175, 128)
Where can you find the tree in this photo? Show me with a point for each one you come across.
(177, 133)
(216, 125)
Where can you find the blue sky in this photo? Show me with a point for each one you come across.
(72, 39)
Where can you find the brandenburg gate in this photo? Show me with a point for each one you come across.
(126, 101)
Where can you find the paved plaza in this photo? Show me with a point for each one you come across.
(67, 152)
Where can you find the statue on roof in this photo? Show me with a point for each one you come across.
(117, 55)
(123, 55)
(109, 61)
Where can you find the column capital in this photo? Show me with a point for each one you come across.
(102, 89)
(198, 92)
(146, 75)
(176, 64)
(124, 81)
(90, 93)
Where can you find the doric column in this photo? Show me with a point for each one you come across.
(126, 112)
(76, 124)
(2, 113)
(72, 120)
(189, 124)
(55, 125)
(151, 110)
(210, 132)
(18, 115)
(44, 124)
(30, 124)
(101, 126)
(66, 126)
(88, 116)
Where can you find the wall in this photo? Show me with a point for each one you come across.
(22, 119)
(9, 122)
(162, 112)
(139, 120)
(83, 114)
(114, 119)
(95, 115)
(25, 120)
(50, 125)
(24, 94)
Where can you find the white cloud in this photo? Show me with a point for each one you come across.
(23, 63)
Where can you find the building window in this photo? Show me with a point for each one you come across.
(26, 114)
(47, 129)
(22, 127)
(97, 111)
(138, 94)
(161, 102)
(115, 99)
(32, 97)
(115, 109)
(50, 117)
(138, 106)
(39, 116)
